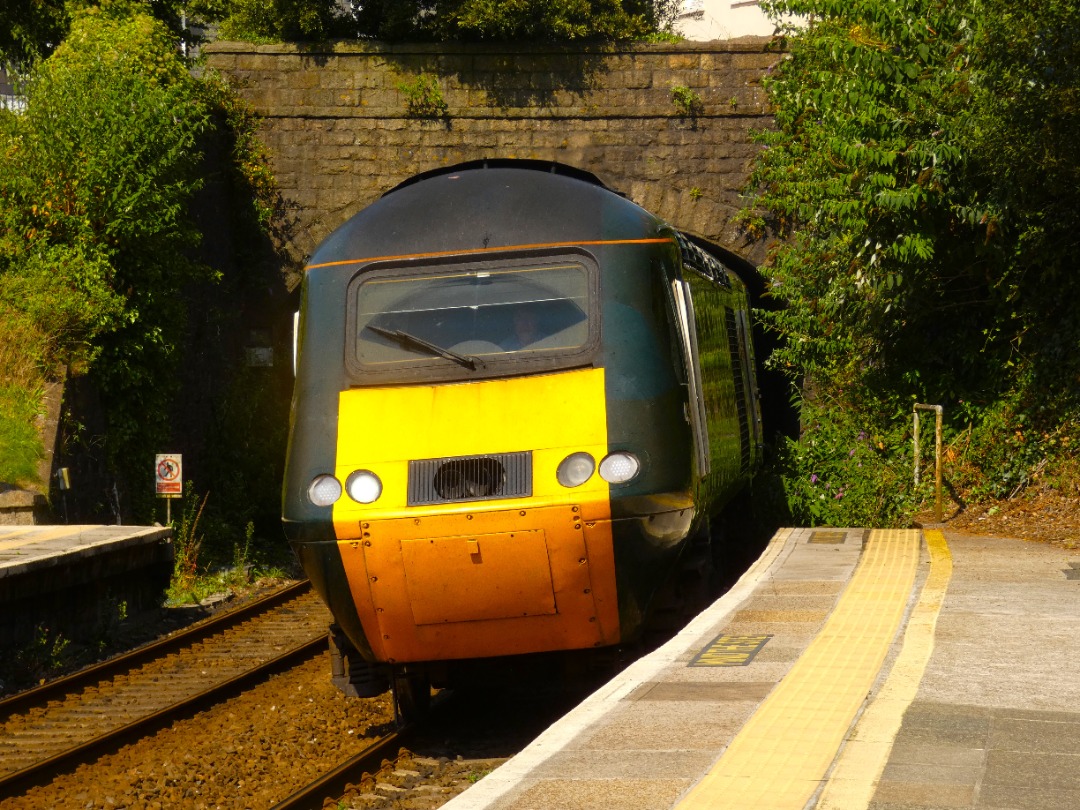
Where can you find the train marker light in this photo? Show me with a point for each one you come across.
(618, 468)
(324, 490)
(363, 486)
(575, 469)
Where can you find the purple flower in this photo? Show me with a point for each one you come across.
(813, 478)
(851, 453)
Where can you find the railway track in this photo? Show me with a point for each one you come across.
(127, 729)
(53, 728)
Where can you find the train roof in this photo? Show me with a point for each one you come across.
(547, 166)
(487, 205)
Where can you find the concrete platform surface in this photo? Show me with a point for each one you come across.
(31, 548)
(848, 669)
(71, 579)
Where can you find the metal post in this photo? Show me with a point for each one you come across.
(938, 411)
(915, 435)
(937, 461)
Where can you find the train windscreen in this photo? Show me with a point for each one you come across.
(480, 313)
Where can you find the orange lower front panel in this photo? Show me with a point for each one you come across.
(484, 584)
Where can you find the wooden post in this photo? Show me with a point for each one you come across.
(938, 411)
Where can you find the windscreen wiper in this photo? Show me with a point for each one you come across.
(412, 341)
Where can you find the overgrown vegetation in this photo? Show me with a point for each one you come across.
(21, 381)
(922, 182)
(27, 29)
(688, 104)
(192, 581)
(423, 97)
(119, 164)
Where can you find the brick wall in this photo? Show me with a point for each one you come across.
(335, 119)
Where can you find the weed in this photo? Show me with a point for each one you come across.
(423, 97)
(688, 104)
(664, 36)
(43, 655)
(696, 193)
(187, 544)
(111, 616)
(242, 553)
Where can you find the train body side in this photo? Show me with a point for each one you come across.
(473, 548)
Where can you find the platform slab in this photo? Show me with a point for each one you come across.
(979, 674)
(65, 578)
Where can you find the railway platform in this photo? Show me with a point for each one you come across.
(847, 669)
(64, 577)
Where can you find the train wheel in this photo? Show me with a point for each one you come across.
(412, 696)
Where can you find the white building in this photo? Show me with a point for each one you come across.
(703, 20)
(11, 97)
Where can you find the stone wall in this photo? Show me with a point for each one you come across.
(336, 121)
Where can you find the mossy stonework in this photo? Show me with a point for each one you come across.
(339, 131)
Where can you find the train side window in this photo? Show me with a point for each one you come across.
(684, 311)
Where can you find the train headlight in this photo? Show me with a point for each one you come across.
(324, 490)
(575, 469)
(363, 486)
(618, 468)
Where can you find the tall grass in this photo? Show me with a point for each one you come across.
(22, 347)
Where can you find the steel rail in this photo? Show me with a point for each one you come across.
(65, 761)
(333, 784)
(76, 681)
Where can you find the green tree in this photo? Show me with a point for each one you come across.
(863, 181)
(30, 29)
(533, 20)
(108, 178)
(95, 237)
(900, 263)
(277, 21)
(1025, 147)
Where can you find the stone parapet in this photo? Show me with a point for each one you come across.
(335, 118)
(21, 507)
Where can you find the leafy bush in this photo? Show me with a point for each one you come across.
(919, 256)
(846, 470)
(99, 251)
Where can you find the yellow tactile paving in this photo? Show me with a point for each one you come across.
(779, 758)
(28, 537)
(853, 780)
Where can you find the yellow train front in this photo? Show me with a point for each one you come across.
(517, 396)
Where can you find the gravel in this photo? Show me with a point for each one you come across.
(250, 752)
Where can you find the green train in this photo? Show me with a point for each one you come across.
(517, 396)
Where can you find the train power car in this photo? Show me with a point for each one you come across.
(517, 396)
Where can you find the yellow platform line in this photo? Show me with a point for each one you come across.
(28, 537)
(855, 776)
(779, 758)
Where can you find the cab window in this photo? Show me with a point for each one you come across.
(472, 317)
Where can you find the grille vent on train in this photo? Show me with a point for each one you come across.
(741, 399)
(470, 478)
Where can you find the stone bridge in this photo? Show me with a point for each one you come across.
(668, 125)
